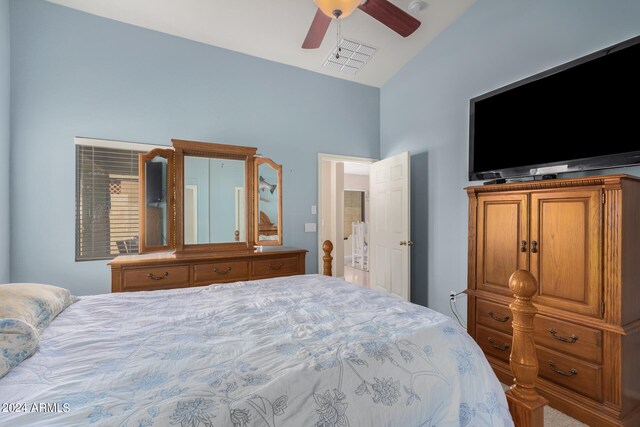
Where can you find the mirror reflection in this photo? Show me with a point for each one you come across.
(268, 203)
(156, 212)
(214, 200)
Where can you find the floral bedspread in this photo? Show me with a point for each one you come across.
(297, 351)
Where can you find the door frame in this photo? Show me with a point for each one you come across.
(322, 157)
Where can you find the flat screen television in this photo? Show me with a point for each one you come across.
(582, 115)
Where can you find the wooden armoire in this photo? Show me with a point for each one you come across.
(580, 238)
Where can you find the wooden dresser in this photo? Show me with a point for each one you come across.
(580, 238)
(167, 270)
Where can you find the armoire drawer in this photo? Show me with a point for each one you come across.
(494, 315)
(582, 377)
(151, 278)
(275, 267)
(494, 343)
(229, 271)
(569, 338)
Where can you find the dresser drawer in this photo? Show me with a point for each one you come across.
(275, 267)
(582, 377)
(152, 278)
(494, 315)
(569, 338)
(494, 343)
(230, 271)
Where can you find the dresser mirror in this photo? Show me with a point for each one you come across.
(214, 200)
(214, 204)
(204, 197)
(156, 200)
(268, 202)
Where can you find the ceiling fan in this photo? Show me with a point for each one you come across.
(381, 10)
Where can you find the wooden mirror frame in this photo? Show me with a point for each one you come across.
(258, 213)
(168, 154)
(219, 151)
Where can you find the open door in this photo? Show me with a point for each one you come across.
(390, 226)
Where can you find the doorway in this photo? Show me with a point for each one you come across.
(389, 234)
(343, 214)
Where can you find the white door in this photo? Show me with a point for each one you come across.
(389, 232)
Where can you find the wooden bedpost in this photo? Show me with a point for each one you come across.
(525, 404)
(327, 247)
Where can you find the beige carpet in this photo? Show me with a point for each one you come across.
(555, 418)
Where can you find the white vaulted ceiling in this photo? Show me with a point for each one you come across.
(275, 29)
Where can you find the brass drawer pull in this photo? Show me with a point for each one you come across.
(498, 347)
(571, 339)
(571, 373)
(154, 277)
(215, 270)
(498, 319)
(276, 267)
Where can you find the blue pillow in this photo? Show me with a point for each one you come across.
(18, 341)
(26, 309)
(33, 303)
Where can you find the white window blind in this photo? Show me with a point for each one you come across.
(106, 198)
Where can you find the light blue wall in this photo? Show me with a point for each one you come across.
(75, 74)
(424, 108)
(4, 140)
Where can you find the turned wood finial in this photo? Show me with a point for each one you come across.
(525, 403)
(524, 363)
(327, 247)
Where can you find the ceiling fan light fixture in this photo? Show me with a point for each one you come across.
(338, 9)
(416, 6)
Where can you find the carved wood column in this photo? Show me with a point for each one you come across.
(525, 404)
(327, 247)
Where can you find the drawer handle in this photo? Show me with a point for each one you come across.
(498, 319)
(523, 246)
(498, 347)
(276, 267)
(215, 270)
(154, 277)
(534, 247)
(571, 373)
(571, 339)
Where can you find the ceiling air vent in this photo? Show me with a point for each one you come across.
(353, 56)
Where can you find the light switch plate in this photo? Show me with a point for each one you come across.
(310, 227)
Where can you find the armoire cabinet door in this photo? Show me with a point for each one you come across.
(566, 249)
(502, 245)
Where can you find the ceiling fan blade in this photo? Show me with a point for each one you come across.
(391, 16)
(317, 31)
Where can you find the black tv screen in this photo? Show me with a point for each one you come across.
(579, 116)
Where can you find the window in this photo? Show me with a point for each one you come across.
(106, 198)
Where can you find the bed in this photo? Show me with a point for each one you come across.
(295, 351)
